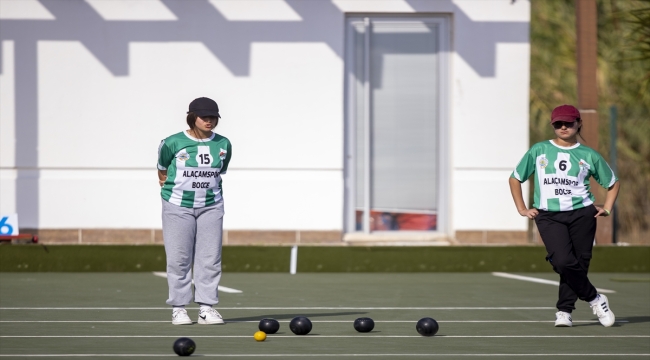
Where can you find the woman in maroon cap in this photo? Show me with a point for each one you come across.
(190, 166)
(564, 209)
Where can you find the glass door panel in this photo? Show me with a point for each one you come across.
(395, 95)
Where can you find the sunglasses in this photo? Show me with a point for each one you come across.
(560, 124)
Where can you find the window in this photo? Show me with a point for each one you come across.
(395, 123)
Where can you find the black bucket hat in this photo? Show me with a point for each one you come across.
(204, 106)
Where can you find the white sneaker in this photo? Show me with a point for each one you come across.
(209, 316)
(602, 310)
(180, 317)
(563, 319)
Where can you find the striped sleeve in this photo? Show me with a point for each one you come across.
(165, 156)
(226, 161)
(603, 174)
(525, 168)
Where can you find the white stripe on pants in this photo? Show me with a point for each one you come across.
(193, 236)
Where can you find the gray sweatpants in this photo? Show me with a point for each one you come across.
(193, 237)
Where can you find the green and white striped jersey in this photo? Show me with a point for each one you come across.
(194, 168)
(562, 175)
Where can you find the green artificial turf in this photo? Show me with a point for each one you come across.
(97, 258)
(480, 315)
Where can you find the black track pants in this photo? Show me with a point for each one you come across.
(569, 237)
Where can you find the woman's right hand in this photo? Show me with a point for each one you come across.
(529, 213)
(161, 182)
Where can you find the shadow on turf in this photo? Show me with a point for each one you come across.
(291, 316)
(635, 319)
(620, 321)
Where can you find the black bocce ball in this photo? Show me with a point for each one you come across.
(300, 325)
(427, 327)
(184, 346)
(269, 326)
(364, 324)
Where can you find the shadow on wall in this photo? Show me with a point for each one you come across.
(197, 21)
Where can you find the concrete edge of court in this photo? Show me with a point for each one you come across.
(130, 258)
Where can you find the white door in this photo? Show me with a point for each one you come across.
(396, 123)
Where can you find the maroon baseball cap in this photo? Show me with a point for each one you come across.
(566, 113)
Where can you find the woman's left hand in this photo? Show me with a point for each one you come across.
(601, 212)
(162, 177)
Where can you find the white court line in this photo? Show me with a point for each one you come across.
(285, 308)
(326, 336)
(221, 288)
(313, 321)
(308, 355)
(541, 281)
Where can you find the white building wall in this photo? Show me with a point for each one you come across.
(109, 80)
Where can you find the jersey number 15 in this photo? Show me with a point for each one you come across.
(205, 159)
